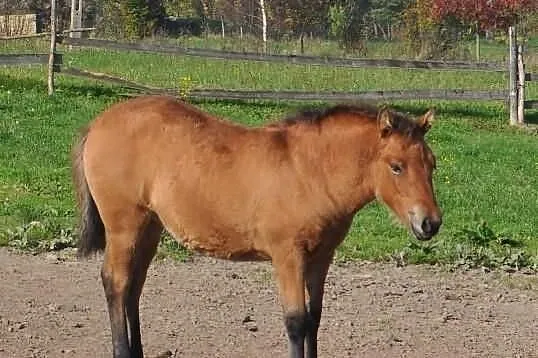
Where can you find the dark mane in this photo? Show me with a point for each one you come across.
(315, 116)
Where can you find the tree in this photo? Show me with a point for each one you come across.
(484, 14)
(130, 18)
(337, 17)
(384, 14)
(348, 21)
(428, 37)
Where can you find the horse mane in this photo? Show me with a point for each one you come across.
(402, 123)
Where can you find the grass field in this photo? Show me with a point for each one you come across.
(486, 179)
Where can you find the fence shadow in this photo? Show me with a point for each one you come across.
(531, 117)
(464, 110)
(18, 84)
(454, 109)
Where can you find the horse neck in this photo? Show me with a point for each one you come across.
(336, 159)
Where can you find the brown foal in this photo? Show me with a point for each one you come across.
(285, 192)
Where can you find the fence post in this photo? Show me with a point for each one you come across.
(512, 71)
(52, 46)
(521, 86)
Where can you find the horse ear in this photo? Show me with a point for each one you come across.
(385, 121)
(425, 122)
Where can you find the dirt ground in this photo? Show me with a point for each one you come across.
(53, 306)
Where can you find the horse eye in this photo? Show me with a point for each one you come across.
(396, 169)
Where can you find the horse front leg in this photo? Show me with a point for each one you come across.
(315, 280)
(290, 279)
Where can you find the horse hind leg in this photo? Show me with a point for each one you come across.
(145, 250)
(122, 230)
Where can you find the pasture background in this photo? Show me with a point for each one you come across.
(486, 178)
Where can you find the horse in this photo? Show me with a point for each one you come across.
(285, 192)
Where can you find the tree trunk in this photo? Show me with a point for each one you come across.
(383, 32)
(477, 46)
(264, 26)
(50, 78)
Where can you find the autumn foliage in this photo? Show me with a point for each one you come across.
(486, 14)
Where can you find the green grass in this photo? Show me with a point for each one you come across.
(486, 181)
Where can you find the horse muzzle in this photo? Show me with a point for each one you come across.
(424, 227)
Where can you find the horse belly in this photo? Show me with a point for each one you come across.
(223, 242)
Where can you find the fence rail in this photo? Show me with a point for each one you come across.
(310, 60)
(45, 34)
(295, 95)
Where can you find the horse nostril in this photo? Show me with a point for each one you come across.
(430, 227)
(426, 226)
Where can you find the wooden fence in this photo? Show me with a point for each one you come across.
(514, 94)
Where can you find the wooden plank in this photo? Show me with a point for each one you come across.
(311, 60)
(531, 104)
(531, 77)
(30, 59)
(350, 96)
(296, 95)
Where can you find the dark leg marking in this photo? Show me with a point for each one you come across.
(296, 325)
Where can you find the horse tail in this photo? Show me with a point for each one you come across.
(91, 227)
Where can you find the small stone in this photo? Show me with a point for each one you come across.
(77, 325)
(448, 317)
(22, 325)
(247, 319)
(165, 354)
(451, 297)
(391, 293)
